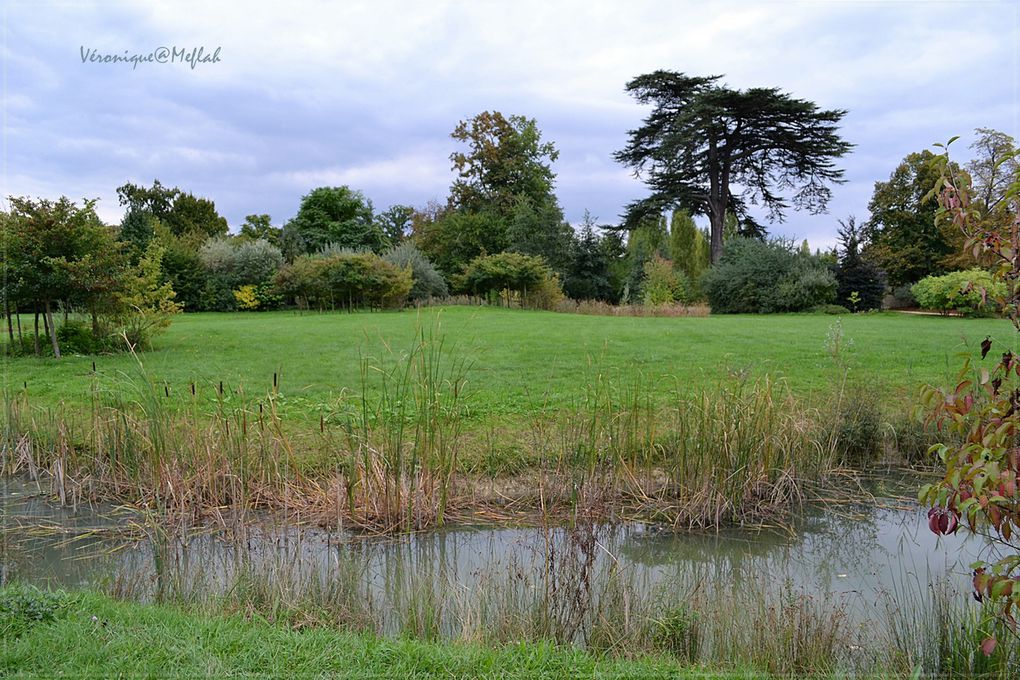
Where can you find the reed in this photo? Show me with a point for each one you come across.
(398, 456)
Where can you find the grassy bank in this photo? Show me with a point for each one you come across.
(88, 635)
(522, 362)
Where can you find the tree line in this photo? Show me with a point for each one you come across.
(704, 150)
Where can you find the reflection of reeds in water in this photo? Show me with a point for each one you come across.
(560, 585)
(568, 591)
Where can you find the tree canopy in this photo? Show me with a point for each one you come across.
(903, 239)
(337, 216)
(506, 160)
(709, 149)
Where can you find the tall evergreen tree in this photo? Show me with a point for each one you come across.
(702, 139)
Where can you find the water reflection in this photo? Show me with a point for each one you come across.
(854, 552)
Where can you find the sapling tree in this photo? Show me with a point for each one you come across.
(979, 488)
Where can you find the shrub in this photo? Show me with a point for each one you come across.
(240, 263)
(663, 285)
(860, 285)
(427, 281)
(803, 288)
(344, 280)
(76, 338)
(267, 296)
(902, 297)
(256, 262)
(547, 294)
(830, 309)
(183, 269)
(217, 295)
(969, 292)
(246, 298)
(755, 276)
(505, 272)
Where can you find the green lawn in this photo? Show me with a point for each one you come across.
(94, 636)
(520, 361)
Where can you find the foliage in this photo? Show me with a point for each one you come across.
(183, 269)
(77, 338)
(345, 281)
(157, 201)
(247, 299)
(181, 212)
(231, 264)
(830, 309)
(148, 302)
(58, 252)
(259, 228)
(395, 223)
(588, 275)
(22, 607)
(454, 239)
(334, 215)
(137, 228)
(858, 428)
(687, 247)
(647, 240)
(994, 167)
(860, 284)
(506, 161)
(903, 239)
(193, 215)
(980, 485)
(703, 139)
(428, 283)
(539, 229)
(755, 276)
(663, 285)
(504, 273)
(972, 292)
(547, 294)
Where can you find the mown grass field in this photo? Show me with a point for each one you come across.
(518, 362)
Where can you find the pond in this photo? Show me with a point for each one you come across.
(856, 557)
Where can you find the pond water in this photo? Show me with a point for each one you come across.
(856, 554)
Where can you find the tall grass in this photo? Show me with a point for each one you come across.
(397, 456)
(941, 634)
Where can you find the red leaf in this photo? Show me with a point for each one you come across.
(988, 646)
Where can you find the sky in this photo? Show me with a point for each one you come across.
(308, 94)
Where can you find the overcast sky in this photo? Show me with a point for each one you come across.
(308, 94)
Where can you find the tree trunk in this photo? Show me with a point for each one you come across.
(716, 202)
(95, 324)
(717, 218)
(17, 315)
(37, 352)
(10, 321)
(53, 331)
